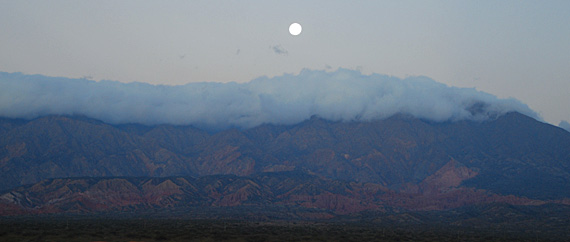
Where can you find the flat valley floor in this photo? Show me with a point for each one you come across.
(63, 228)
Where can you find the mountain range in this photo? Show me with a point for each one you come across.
(55, 164)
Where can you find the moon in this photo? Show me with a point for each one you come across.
(295, 29)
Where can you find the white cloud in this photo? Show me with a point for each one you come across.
(342, 95)
(565, 125)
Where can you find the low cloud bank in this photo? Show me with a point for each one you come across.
(342, 95)
(565, 125)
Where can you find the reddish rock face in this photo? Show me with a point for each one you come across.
(451, 175)
(290, 189)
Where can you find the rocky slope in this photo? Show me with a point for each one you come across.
(342, 167)
(290, 190)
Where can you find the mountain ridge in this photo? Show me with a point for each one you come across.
(513, 158)
(289, 189)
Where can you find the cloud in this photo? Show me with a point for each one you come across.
(278, 49)
(341, 95)
(565, 125)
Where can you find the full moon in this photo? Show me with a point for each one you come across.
(295, 29)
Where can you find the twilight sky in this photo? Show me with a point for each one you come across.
(517, 49)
